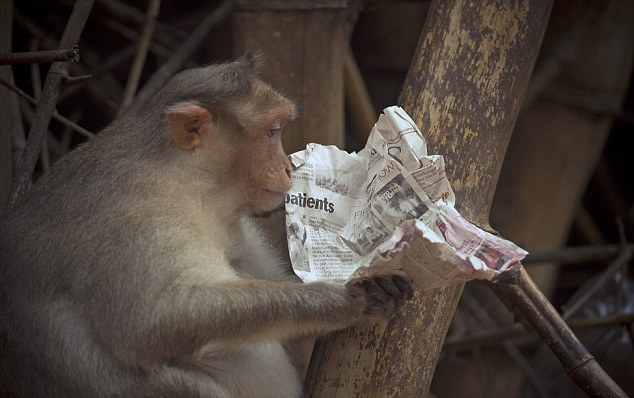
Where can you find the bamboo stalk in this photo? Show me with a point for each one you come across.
(450, 95)
(522, 296)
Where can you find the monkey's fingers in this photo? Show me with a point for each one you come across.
(404, 284)
(396, 286)
(387, 283)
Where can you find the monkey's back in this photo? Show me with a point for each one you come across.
(72, 273)
(70, 316)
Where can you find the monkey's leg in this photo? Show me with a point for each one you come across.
(54, 353)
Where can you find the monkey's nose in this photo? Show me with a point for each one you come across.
(288, 167)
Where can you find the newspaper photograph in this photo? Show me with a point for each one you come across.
(387, 208)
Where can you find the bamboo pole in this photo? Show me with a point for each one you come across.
(559, 138)
(464, 90)
(524, 297)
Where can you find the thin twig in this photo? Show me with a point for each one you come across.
(66, 122)
(141, 54)
(40, 57)
(18, 136)
(621, 260)
(133, 36)
(95, 92)
(36, 83)
(178, 58)
(52, 85)
(65, 141)
(120, 10)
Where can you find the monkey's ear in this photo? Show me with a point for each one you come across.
(188, 123)
(253, 59)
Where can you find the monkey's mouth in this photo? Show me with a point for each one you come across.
(278, 194)
(269, 213)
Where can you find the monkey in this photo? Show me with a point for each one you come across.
(134, 267)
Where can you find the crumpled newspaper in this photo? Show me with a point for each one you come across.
(388, 208)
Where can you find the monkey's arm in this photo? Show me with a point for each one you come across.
(188, 315)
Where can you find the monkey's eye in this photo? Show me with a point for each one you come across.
(276, 127)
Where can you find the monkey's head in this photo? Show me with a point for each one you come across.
(229, 123)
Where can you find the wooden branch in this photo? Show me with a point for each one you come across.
(40, 57)
(54, 80)
(177, 59)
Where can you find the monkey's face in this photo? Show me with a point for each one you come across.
(241, 154)
(268, 169)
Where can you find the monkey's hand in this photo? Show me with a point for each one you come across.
(384, 294)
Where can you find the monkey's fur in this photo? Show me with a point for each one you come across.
(133, 268)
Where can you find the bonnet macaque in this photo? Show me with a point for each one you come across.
(134, 268)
